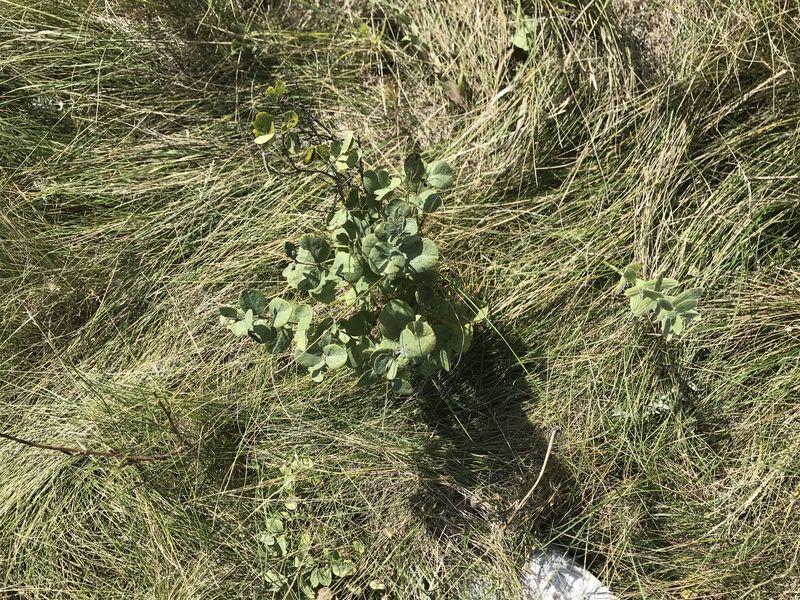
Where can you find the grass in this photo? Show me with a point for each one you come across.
(133, 204)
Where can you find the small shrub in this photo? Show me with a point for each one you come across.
(286, 535)
(650, 296)
(368, 295)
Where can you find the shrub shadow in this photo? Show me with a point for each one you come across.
(484, 452)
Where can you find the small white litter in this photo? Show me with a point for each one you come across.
(553, 576)
(549, 575)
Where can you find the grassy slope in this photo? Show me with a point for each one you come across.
(131, 213)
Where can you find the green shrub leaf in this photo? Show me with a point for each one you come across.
(335, 356)
(401, 387)
(317, 246)
(394, 317)
(228, 312)
(421, 253)
(252, 300)
(325, 292)
(292, 142)
(242, 327)
(263, 128)
(439, 175)
(417, 340)
(631, 272)
(302, 315)
(385, 259)
(375, 180)
(665, 304)
(281, 312)
(347, 142)
(414, 169)
(347, 266)
(359, 324)
(341, 568)
(428, 200)
(308, 359)
(289, 121)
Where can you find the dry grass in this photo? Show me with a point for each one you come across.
(133, 204)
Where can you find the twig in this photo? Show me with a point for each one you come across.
(524, 500)
(129, 459)
(172, 425)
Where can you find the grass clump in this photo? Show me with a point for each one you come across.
(134, 203)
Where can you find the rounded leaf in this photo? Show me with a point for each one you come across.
(335, 356)
(317, 246)
(401, 386)
(241, 328)
(281, 312)
(394, 317)
(368, 243)
(417, 340)
(422, 253)
(460, 336)
(302, 315)
(359, 324)
(303, 277)
(353, 198)
(347, 142)
(263, 128)
(375, 180)
(347, 266)
(252, 300)
(398, 209)
(309, 155)
(292, 143)
(347, 161)
(228, 312)
(439, 175)
(631, 272)
(323, 151)
(341, 568)
(428, 200)
(317, 373)
(393, 183)
(308, 359)
(325, 292)
(275, 339)
(276, 91)
(337, 219)
(384, 259)
(384, 364)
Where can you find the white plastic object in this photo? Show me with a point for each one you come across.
(550, 575)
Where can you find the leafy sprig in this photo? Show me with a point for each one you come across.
(645, 296)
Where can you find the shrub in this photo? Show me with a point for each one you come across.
(368, 292)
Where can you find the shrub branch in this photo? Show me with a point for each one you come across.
(128, 459)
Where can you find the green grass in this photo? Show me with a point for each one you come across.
(133, 203)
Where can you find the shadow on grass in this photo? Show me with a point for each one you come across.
(484, 452)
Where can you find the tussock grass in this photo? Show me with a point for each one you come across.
(133, 204)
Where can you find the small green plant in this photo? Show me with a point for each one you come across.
(651, 295)
(284, 535)
(378, 304)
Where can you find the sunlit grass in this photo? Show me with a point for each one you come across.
(132, 204)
